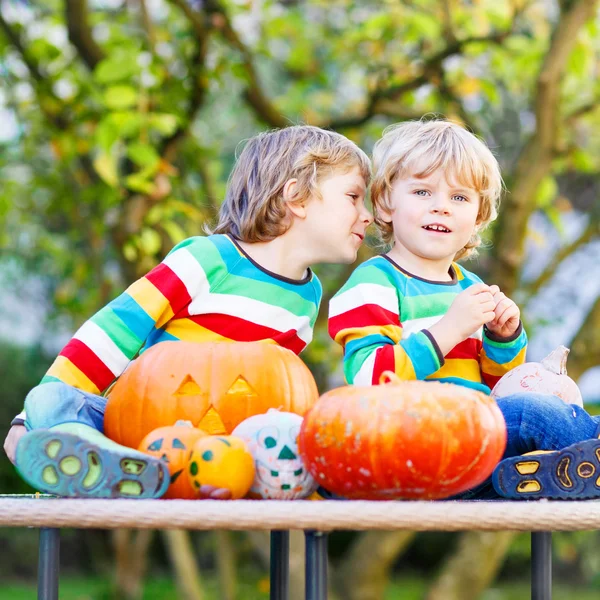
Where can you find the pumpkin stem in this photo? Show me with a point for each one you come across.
(389, 377)
(556, 361)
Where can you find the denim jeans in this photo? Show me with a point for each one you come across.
(538, 422)
(54, 403)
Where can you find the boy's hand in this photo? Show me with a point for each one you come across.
(15, 433)
(471, 309)
(507, 315)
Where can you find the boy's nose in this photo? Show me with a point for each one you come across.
(366, 216)
(440, 206)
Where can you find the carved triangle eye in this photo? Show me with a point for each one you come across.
(241, 387)
(188, 387)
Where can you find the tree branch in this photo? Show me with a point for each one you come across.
(264, 109)
(430, 69)
(80, 32)
(535, 161)
(585, 347)
(197, 97)
(591, 231)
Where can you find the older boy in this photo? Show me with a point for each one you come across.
(295, 197)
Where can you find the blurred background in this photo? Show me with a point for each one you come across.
(119, 122)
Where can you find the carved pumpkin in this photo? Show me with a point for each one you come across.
(404, 439)
(272, 439)
(174, 445)
(224, 462)
(546, 377)
(214, 385)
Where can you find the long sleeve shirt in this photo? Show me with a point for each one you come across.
(206, 289)
(381, 318)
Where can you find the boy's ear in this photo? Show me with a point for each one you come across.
(296, 207)
(385, 214)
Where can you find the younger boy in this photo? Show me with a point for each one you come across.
(295, 198)
(416, 312)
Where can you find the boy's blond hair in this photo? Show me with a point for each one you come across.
(254, 209)
(417, 149)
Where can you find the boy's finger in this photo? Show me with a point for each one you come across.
(478, 288)
(512, 312)
(502, 305)
(494, 289)
(489, 316)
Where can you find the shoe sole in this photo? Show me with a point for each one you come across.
(571, 473)
(67, 465)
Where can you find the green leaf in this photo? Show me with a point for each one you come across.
(106, 166)
(546, 192)
(130, 251)
(118, 97)
(149, 241)
(127, 122)
(164, 123)
(174, 231)
(117, 68)
(139, 183)
(107, 133)
(143, 155)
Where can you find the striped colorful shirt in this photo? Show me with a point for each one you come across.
(206, 289)
(381, 318)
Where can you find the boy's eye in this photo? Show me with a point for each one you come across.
(421, 192)
(354, 197)
(461, 198)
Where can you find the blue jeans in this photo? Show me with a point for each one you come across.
(538, 422)
(54, 403)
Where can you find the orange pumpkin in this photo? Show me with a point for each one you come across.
(174, 445)
(215, 385)
(404, 439)
(224, 462)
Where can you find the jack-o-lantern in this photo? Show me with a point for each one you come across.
(405, 439)
(222, 461)
(273, 442)
(173, 445)
(215, 385)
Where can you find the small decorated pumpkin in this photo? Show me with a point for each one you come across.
(223, 461)
(402, 439)
(273, 442)
(546, 377)
(173, 445)
(215, 385)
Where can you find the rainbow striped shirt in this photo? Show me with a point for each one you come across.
(206, 289)
(381, 316)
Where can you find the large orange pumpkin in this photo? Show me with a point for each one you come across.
(174, 445)
(410, 439)
(215, 385)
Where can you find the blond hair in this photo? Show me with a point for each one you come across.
(417, 149)
(254, 209)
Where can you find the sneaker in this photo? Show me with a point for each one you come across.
(570, 473)
(65, 464)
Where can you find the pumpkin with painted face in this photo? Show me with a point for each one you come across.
(222, 461)
(215, 385)
(272, 439)
(173, 445)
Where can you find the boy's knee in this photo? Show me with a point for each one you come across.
(47, 402)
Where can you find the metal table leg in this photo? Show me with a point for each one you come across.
(48, 564)
(541, 565)
(316, 565)
(280, 565)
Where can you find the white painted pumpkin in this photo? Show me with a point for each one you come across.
(272, 439)
(546, 377)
